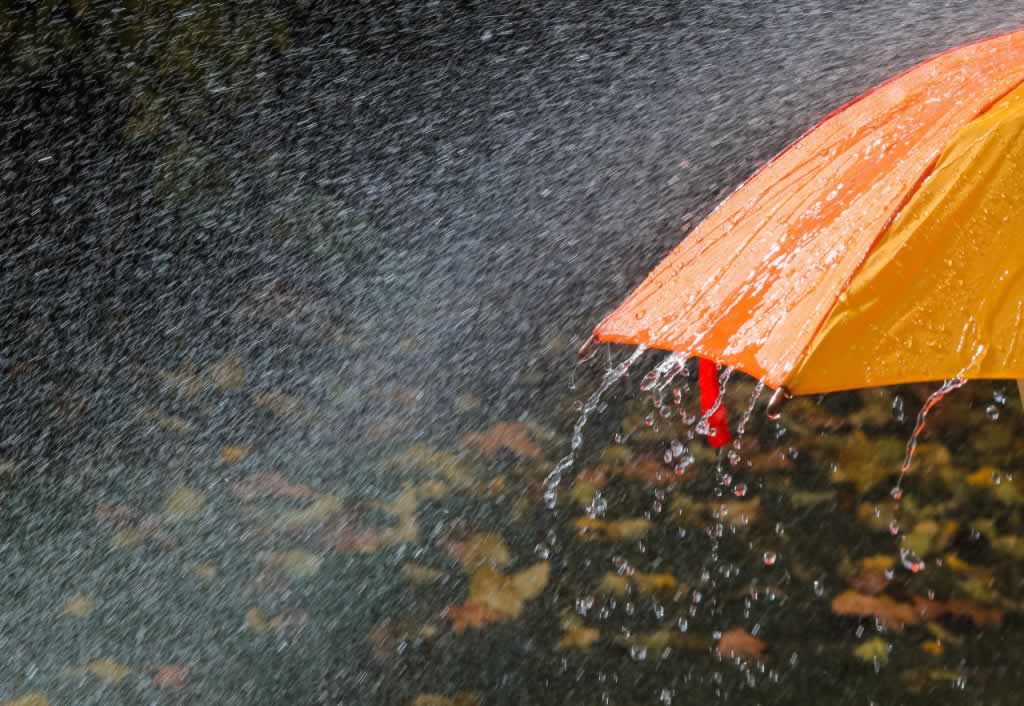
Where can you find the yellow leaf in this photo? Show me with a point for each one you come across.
(128, 538)
(227, 374)
(205, 570)
(590, 529)
(932, 647)
(257, 621)
(530, 583)
(184, 503)
(576, 635)
(322, 509)
(874, 650)
(33, 698)
(613, 584)
(297, 563)
(485, 548)
(984, 477)
(878, 562)
(108, 670)
(507, 594)
(233, 454)
(79, 606)
(420, 575)
(652, 583)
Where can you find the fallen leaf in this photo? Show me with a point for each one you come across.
(184, 382)
(278, 403)
(576, 635)
(806, 498)
(268, 485)
(471, 616)
(422, 457)
(511, 436)
(233, 454)
(876, 650)
(614, 584)
(466, 403)
(320, 510)
(420, 575)
(737, 643)
(184, 503)
(771, 461)
(257, 621)
(654, 583)
(171, 676)
(878, 562)
(870, 582)
(79, 606)
(205, 570)
(33, 698)
(485, 548)
(649, 471)
(594, 530)
(660, 640)
(297, 563)
(227, 373)
(108, 670)
(864, 462)
(932, 647)
(888, 612)
(737, 513)
(930, 610)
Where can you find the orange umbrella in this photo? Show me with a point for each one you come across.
(883, 247)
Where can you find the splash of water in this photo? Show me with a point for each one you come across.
(947, 387)
(704, 426)
(614, 374)
(758, 389)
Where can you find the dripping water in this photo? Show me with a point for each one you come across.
(612, 376)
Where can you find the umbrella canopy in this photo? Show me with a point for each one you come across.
(885, 246)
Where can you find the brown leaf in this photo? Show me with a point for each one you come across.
(183, 503)
(737, 643)
(651, 472)
(171, 676)
(268, 485)
(227, 374)
(472, 616)
(771, 461)
(594, 530)
(233, 454)
(278, 403)
(420, 575)
(512, 436)
(870, 582)
(889, 613)
(930, 610)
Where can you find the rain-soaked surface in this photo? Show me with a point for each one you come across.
(291, 298)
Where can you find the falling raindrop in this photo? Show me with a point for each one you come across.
(992, 412)
(740, 490)
(770, 558)
(638, 653)
(896, 493)
(999, 396)
(897, 409)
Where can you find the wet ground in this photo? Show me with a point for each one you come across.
(292, 294)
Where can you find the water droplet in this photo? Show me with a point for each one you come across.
(649, 381)
(740, 490)
(640, 314)
(638, 653)
(999, 396)
(583, 605)
(669, 457)
(897, 409)
(896, 492)
(677, 449)
(911, 561)
(770, 558)
(542, 551)
(992, 412)
(734, 457)
(894, 528)
(665, 697)
(649, 420)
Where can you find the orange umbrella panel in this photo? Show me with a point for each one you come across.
(759, 284)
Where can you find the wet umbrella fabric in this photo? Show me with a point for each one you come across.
(880, 248)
